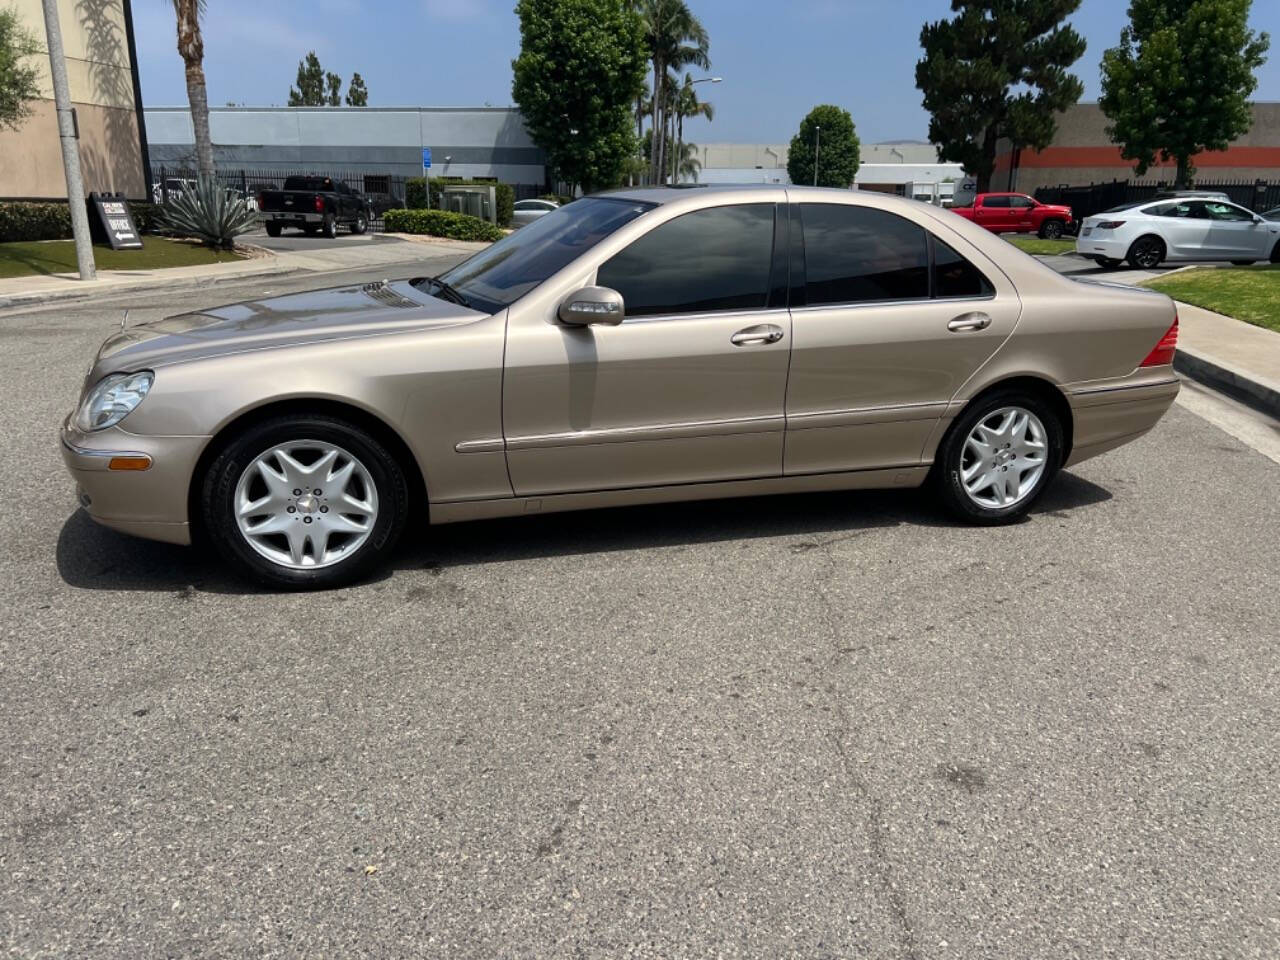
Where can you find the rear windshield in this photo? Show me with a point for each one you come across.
(1129, 206)
(308, 183)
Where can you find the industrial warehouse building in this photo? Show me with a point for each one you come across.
(486, 142)
(1081, 154)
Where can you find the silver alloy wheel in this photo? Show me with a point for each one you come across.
(306, 504)
(1004, 458)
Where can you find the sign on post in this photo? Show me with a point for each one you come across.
(116, 221)
(426, 159)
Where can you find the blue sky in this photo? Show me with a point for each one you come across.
(778, 59)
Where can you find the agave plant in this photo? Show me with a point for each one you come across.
(210, 212)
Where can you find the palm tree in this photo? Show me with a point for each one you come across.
(688, 164)
(191, 49)
(688, 105)
(675, 39)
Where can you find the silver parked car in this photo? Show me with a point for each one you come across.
(642, 346)
(527, 211)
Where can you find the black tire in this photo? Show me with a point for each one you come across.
(1146, 253)
(1243, 263)
(330, 227)
(949, 460)
(360, 224)
(1052, 230)
(1275, 253)
(219, 498)
(1107, 263)
(273, 229)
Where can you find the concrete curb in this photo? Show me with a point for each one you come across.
(1257, 391)
(149, 283)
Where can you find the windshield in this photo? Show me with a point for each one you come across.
(497, 277)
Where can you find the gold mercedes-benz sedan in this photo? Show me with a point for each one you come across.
(642, 346)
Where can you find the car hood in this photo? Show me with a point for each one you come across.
(337, 313)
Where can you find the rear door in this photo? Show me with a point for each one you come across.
(1184, 225)
(994, 213)
(888, 322)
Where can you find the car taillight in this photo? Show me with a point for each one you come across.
(1163, 353)
(319, 204)
(1109, 224)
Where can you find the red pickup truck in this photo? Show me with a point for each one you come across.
(1017, 213)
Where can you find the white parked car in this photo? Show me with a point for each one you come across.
(527, 211)
(1152, 232)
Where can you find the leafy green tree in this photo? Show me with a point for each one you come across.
(674, 39)
(1179, 82)
(580, 68)
(334, 84)
(838, 150)
(357, 92)
(998, 68)
(18, 80)
(310, 83)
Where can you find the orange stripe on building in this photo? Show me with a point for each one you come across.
(1110, 157)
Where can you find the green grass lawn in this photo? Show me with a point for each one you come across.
(1029, 243)
(1251, 294)
(59, 256)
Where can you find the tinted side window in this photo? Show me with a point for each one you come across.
(995, 202)
(954, 276)
(1226, 211)
(713, 259)
(1021, 202)
(858, 254)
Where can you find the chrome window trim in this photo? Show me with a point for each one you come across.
(863, 304)
(704, 315)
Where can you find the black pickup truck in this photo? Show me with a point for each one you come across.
(314, 204)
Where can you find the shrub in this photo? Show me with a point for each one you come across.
(210, 213)
(440, 223)
(34, 221)
(146, 216)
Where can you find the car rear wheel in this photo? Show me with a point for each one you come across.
(998, 457)
(273, 229)
(330, 226)
(1146, 253)
(1275, 253)
(305, 502)
(1052, 229)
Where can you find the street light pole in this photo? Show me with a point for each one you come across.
(70, 145)
(817, 145)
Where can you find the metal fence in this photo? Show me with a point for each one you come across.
(383, 191)
(1257, 195)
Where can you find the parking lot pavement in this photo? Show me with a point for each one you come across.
(807, 726)
(295, 240)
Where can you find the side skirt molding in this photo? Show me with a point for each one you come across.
(895, 477)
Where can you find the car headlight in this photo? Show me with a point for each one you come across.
(112, 399)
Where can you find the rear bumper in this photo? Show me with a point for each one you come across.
(276, 216)
(1095, 246)
(149, 503)
(1110, 413)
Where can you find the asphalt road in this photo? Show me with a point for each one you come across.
(810, 726)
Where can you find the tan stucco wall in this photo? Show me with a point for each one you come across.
(101, 81)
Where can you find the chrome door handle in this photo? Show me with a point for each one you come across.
(969, 321)
(761, 333)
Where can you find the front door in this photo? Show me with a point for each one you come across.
(1234, 234)
(688, 388)
(894, 321)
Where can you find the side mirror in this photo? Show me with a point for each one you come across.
(591, 305)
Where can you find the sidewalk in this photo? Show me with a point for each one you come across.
(1229, 355)
(18, 291)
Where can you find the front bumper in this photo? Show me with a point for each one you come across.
(149, 503)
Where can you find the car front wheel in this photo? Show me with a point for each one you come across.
(360, 224)
(305, 502)
(1051, 230)
(273, 229)
(998, 457)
